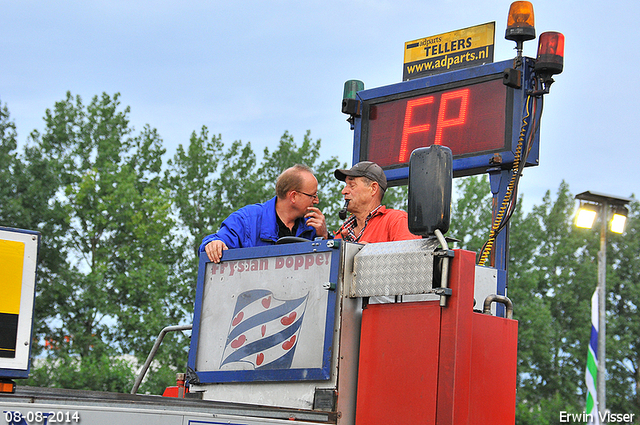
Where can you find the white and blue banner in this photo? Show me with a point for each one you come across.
(264, 330)
(265, 314)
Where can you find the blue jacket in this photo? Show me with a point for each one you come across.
(254, 225)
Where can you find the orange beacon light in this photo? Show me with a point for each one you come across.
(520, 23)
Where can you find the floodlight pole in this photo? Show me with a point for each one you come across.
(606, 204)
(602, 310)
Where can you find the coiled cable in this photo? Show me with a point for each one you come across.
(507, 207)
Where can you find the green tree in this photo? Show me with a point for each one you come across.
(471, 212)
(97, 373)
(118, 286)
(9, 167)
(623, 326)
(550, 288)
(552, 275)
(208, 183)
(194, 186)
(287, 154)
(117, 261)
(29, 183)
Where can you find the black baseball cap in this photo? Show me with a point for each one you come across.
(367, 169)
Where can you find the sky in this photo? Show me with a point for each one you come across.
(251, 71)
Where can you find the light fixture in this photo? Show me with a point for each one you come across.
(614, 207)
(520, 27)
(618, 219)
(586, 215)
(550, 59)
(350, 103)
(611, 208)
(7, 386)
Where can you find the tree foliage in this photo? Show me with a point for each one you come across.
(108, 283)
(552, 276)
(471, 212)
(623, 326)
(121, 229)
(120, 232)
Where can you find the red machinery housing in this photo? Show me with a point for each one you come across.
(422, 363)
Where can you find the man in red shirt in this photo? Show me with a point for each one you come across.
(370, 221)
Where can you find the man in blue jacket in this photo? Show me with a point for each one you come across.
(292, 212)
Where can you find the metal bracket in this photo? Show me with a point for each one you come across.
(444, 277)
(512, 78)
(329, 286)
(443, 292)
(499, 299)
(333, 243)
(192, 376)
(324, 399)
(444, 253)
(352, 107)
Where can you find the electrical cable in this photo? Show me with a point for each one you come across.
(534, 126)
(519, 161)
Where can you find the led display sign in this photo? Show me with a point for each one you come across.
(470, 118)
(479, 113)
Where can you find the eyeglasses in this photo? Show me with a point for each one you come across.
(315, 196)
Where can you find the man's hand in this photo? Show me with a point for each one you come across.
(214, 250)
(315, 219)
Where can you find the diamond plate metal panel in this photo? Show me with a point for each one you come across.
(394, 268)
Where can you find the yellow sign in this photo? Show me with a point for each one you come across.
(18, 258)
(463, 48)
(11, 261)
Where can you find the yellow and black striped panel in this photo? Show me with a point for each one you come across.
(11, 264)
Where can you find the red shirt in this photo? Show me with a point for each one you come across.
(385, 225)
